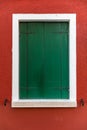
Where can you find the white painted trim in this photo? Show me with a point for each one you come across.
(71, 102)
(44, 103)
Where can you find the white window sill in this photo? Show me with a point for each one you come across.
(44, 103)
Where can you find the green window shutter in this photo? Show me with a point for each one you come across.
(44, 60)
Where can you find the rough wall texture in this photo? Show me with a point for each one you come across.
(42, 119)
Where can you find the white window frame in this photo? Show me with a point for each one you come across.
(71, 102)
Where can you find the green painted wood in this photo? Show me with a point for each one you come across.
(44, 60)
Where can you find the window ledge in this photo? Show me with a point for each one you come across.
(44, 103)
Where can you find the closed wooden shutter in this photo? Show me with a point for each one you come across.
(44, 60)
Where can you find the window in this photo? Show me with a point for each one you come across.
(44, 60)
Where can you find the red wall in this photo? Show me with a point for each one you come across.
(42, 118)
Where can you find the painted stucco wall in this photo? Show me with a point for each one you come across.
(42, 118)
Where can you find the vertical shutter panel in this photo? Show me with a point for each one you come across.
(57, 60)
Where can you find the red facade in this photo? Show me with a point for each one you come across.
(42, 118)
